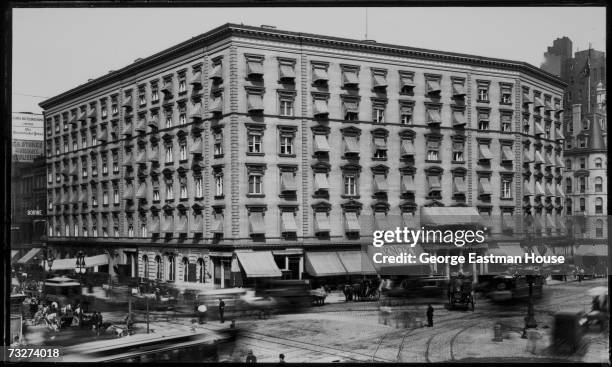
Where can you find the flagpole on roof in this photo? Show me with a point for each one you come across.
(587, 70)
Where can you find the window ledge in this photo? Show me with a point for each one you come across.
(483, 101)
(433, 161)
(458, 162)
(379, 159)
(287, 155)
(255, 195)
(220, 197)
(255, 154)
(216, 156)
(506, 199)
(350, 196)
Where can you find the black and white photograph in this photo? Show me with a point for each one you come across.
(311, 184)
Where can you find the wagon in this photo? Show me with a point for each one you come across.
(460, 293)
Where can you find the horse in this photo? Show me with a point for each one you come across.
(348, 292)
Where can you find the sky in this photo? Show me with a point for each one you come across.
(55, 50)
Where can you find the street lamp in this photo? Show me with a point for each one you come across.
(80, 267)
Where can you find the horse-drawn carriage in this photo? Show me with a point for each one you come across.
(366, 290)
(460, 293)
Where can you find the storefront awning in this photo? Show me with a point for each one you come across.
(503, 249)
(258, 264)
(356, 262)
(591, 250)
(321, 264)
(29, 256)
(449, 215)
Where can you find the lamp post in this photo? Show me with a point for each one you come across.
(80, 267)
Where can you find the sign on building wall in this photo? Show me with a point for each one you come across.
(28, 136)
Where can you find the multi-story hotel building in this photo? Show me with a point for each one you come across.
(249, 152)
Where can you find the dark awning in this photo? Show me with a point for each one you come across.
(321, 264)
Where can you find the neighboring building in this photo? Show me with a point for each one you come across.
(28, 187)
(249, 152)
(586, 175)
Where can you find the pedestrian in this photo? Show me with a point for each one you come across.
(16, 343)
(281, 358)
(250, 358)
(221, 310)
(202, 313)
(581, 275)
(430, 312)
(99, 322)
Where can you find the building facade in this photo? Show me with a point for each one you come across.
(253, 152)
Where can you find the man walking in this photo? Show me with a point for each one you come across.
(222, 310)
(430, 312)
(250, 357)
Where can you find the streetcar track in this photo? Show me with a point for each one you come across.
(454, 338)
(430, 339)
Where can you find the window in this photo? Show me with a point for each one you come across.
(350, 109)
(155, 194)
(432, 150)
(380, 154)
(154, 94)
(254, 142)
(483, 93)
(201, 268)
(506, 188)
(599, 228)
(378, 114)
(506, 122)
(168, 119)
(94, 166)
(255, 184)
(83, 140)
(65, 145)
(158, 268)
(506, 94)
(115, 195)
(568, 206)
(568, 164)
(94, 198)
(143, 232)
(182, 118)
(115, 162)
(218, 147)
(568, 185)
(483, 120)
(582, 185)
(142, 98)
(598, 206)
(598, 163)
(104, 111)
(183, 190)
(114, 108)
(582, 204)
(458, 152)
(183, 150)
(182, 87)
(286, 145)
(286, 107)
(130, 229)
(169, 157)
(104, 165)
(94, 228)
(219, 184)
(582, 163)
(598, 184)
(350, 184)
(169, 191)
(405, 114)
(74, 143)
(198, 187)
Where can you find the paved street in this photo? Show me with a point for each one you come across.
(354, 331)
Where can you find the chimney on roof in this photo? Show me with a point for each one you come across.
(268, 26)
(369, 41)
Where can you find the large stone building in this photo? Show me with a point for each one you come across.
(252, 152)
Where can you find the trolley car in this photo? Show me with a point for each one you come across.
(158, 347)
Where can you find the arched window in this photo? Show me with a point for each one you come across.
(185, 264)
(598, 206)
(568, 185)
(598, 163)
(171, 267)
(158, 268)
(201, 271)
(598, 184)
(568, 206)
(145, 262)
(582, 204)
(568, 164)
(599, 228)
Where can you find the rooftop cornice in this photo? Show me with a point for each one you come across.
(303, 39)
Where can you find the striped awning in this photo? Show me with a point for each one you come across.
(29, 256)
